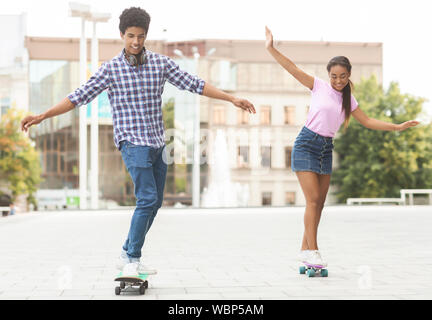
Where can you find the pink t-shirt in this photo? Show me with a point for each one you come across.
(325, 113)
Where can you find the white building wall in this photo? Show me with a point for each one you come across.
(14, 89)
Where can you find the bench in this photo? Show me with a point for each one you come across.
(401, 200)
(5, 210)
(411, 192)
(351, 201)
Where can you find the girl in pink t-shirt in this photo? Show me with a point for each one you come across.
(331, 105)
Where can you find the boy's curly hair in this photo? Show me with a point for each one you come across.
(134, 17)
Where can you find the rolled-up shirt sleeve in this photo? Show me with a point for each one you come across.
(92, 88)
(181, 79)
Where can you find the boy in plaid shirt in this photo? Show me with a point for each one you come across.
(134, 80)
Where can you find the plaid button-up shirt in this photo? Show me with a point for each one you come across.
(135, 95)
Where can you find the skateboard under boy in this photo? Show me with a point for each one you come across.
(127, 283)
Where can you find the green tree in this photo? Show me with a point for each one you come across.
(19, 162)
(168, 118)
(380, 163)
(168, 114)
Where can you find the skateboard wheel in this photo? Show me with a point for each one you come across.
(324, 273)
(302, 270)
(142, 289)
(117, 291)
(122, 285)
(311, 273)
(146, 284)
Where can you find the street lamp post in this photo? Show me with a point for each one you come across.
(196, 179)
(82, 11)
(94, 129)
(196, 175)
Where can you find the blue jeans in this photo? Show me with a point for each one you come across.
(147, 169)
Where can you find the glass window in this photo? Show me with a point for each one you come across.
(288, 151)
(242, 116)
(266, 157)
(290, 198)
(219, 115)
(290, 115)
(266, 198)
(265, 115)
(243, 157)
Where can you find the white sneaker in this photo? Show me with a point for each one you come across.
(142, 268)
(302, 256)
(314, 258)
(123, 260)
(130, 270)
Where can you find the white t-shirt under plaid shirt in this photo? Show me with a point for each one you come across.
(135, 95)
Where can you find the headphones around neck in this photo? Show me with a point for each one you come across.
(137, 60)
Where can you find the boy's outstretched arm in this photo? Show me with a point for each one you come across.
(62, 107)
(215, 93)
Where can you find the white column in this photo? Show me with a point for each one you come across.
(196, 150)
(196, 163)
(83, 123)
(94, 146)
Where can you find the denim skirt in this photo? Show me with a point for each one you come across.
(312, 152)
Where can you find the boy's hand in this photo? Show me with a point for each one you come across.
(28, 121)
(244, 104)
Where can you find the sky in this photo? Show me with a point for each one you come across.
(402, 26)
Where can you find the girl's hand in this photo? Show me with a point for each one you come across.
(406, 125)
(269, 38)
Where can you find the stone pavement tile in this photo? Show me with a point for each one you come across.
(251, 282)
(45, 294)
(105, 285)
(166, 291)
(224, 283)
(379, 292)
(214, 290)
(79, 297)
(165, 283)
(123, 296)
(414, 297)
(195, 277)
(214, 272)
(192, 296)
(342, 297)
(190, 283)
(109, 293)
(12, 293)
(20, 286)
(259, 294)
(14, 297)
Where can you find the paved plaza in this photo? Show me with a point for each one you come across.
(373, 252)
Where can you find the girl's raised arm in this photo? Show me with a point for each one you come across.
(287, 64)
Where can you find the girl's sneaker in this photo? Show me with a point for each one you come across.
(314, 259)
(302, 256)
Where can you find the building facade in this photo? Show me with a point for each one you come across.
(258, 147)
(13, 63)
